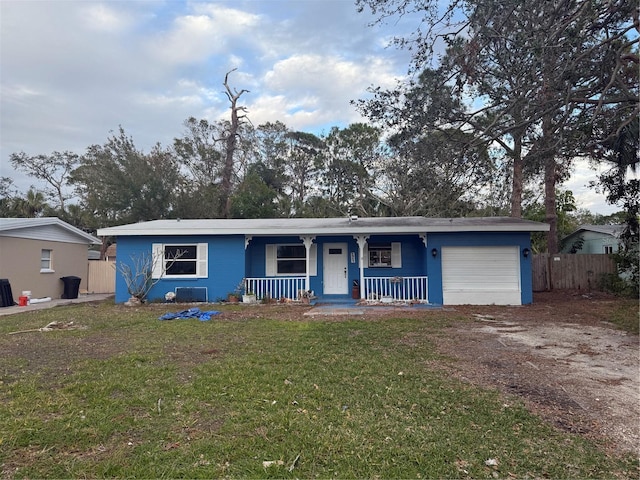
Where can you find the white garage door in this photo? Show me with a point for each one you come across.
(481, 276)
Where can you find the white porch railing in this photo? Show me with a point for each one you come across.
(279, 287)
(396, 288)
(404, 289)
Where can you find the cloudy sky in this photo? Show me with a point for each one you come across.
(71, 72)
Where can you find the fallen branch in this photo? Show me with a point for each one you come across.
(50, 327)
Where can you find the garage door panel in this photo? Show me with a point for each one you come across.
(481, 275)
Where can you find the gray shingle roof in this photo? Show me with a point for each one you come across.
(613, 230)
(24, 227)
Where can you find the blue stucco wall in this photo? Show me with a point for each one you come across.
(479, 239)
(226, 263)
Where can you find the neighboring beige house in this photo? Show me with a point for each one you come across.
(35, 253)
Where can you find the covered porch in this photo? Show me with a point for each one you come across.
(381, 268)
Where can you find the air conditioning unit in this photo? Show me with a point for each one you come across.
(191, 294)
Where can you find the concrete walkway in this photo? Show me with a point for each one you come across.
(353, 308)
(82, 298)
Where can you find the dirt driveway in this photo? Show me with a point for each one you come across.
(562, 357)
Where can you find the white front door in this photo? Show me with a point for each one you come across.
(335, 269)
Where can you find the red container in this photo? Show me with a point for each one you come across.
(22, 301)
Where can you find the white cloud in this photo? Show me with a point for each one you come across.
(195, 37)
(169, 101)
(588, 197)
(319, 88)
(19, 93)
(102, 17)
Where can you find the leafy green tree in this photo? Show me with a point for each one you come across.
(53, 169)
(200, 154)
(565, 211)
(254, 198)
(305, 163)
(624, 191)
(267, 155)
(199, 151)
(121, 184)
(536, 70)
(441, 175)
(434, 167)
(32, 205)
(352, 159)
(7, 197)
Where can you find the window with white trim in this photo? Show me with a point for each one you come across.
(180, 261)
(46, 265)
(384, 255)
(290, 259)
(607, 249)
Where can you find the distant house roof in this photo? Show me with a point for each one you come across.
(45, 228)
(613, 230)
(324, 226)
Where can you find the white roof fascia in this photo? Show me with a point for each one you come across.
(416, 225)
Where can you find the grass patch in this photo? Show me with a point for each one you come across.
(625, 315)
(130, 396)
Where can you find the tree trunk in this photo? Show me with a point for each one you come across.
(227, 172)
(551, 216)
(103, 248)
(550, 176)
(518, 176)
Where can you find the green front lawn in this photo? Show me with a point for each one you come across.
(278, 396)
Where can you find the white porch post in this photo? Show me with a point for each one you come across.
(307, 240)
(362, 242)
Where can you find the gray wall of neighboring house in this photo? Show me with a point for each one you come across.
(20, 263)
(594, 242)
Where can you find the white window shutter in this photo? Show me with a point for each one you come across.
(396, 255)
(365, 255)
(270, 261)
(202, 269)
(313, 260)
(157, 260)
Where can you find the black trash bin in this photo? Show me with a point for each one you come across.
(71, 286)
(6, 296)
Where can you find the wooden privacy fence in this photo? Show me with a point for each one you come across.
(570, 271)
(101, 277)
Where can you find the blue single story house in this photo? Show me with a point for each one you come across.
(443, 261)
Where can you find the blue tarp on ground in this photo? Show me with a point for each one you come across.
(191, 313)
